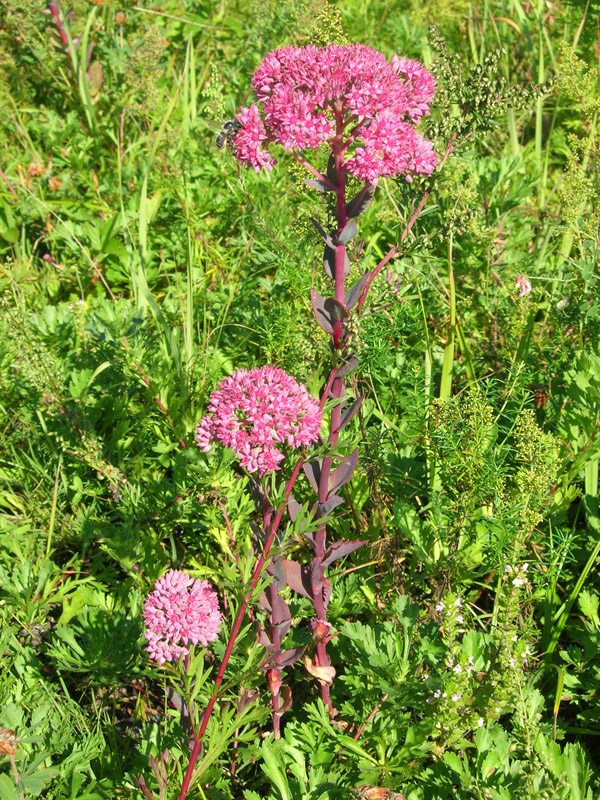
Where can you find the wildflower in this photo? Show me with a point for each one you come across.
(310, 95)
(508, 569)
(523, 284)
(456, 696)
(480, 722)
(180, 611)
(253, 412)
(458, 602)
(518, 581)
(439, 606)
(437, 693)
(54, 183)
(459, 618)
(457, 669)
(35, 169)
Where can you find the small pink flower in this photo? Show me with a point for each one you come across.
(180, 611)
(523, 284)
(254, 412)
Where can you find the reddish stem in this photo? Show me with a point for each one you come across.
(236, 629)
(56, 15)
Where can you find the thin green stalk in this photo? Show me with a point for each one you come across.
(448, 362)
(53, 508)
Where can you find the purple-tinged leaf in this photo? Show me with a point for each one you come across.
(354, 292)
(284, 700)
(331, 170)
(340, 549)
(256, 490)
(257, 531)
(297, 578)
(332, 502)
(263, 637)
(359, 204)
(176, 700)
(263, 602)
(247, 697)
(348, 232)
(342, 473)
(289, 657)
(322, 233)
(322, 315)
(293, 507)
(320, 186)
(347, 367)
(335, 308)
(347, 415)
(312, 470)
(275, 568)
(329, 263)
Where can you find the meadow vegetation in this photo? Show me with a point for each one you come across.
(140, 266)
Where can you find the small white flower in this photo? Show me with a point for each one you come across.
(525, 567)
(518, 581)
(459, 618)
(508, 569)
(440, 606)
(437, 693)
(511, 662)
(480, 722)
(457, 669)
(527, 650)
(471, 660)
(515, 638)
(458, 602)
(449, 661)
(456, 696)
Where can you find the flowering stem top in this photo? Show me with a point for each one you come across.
(347, 96)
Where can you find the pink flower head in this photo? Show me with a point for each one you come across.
(311, 94)
(523, 284)
(180, 611)
(254, 411)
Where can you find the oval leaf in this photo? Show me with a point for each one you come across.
(312, 470)
(321, 231)
(348, 232)
(342, 473)
(320, 186)
(347, 367)
(340, 549)
(323, 316)
(355, 291)
(335, 309)
(329, 263)
(359, 204)
(324, 675)
(350, 412)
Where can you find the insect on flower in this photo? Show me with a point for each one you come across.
(227, 132)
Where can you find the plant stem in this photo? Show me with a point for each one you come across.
(448, 363)
(236, 629)
(244, 605)
(319, 584)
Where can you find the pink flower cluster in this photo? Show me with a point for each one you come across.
(310, 94)
(254, 411)
(178, 612)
